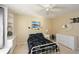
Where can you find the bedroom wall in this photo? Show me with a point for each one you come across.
(58, 22)
(22, 22)
(52, 25)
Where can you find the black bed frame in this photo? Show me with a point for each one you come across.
(38, 44)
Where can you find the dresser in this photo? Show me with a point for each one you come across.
(69, 41)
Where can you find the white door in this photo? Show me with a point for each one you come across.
(1, 27)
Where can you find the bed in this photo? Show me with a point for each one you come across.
(38, 44)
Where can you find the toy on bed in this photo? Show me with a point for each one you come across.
(38, 44)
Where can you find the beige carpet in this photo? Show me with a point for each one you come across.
(23, 49)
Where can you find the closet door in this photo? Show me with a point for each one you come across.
(1, 27)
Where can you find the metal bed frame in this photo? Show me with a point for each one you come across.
(48, 48)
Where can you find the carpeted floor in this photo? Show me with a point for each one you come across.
(23, 49)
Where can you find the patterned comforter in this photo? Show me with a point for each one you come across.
(37, 44)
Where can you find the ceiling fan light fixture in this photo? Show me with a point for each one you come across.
(47, 9)
(50, 9)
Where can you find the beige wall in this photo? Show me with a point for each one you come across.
(22, 23)
(58, 22)
(53, 26)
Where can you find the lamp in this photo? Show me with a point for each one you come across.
(67, 26)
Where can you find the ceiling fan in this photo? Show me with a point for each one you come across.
(49, 9)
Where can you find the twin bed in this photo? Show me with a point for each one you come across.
(38, 44)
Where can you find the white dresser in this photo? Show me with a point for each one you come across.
(67, 40)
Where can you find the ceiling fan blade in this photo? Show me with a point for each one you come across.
(41, 5)
(44, 9)
(58, 7)
(47, 5)
(55, 10)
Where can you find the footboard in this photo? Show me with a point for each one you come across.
(45, 49)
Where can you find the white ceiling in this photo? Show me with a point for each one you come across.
(38, 10)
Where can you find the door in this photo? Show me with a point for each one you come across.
(1, 26)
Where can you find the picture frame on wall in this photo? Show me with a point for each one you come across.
(35, 25)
